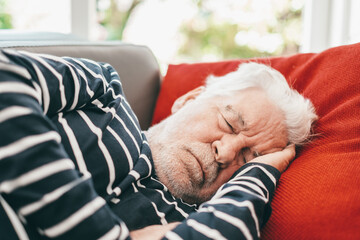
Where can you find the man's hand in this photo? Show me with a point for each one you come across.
(279, 160)
(152, 232)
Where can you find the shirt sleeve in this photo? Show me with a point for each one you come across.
(41, 191)
(238, 210)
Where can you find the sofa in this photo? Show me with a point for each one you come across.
(318, 197)
(136, 65)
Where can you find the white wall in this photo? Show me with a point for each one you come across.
(83, 18)
(330, 23)
(354, 28)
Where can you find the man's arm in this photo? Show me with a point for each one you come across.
(41, 191)
(239, 208)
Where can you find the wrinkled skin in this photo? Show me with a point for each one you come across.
(205, 140)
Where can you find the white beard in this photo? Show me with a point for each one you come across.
(176, 167)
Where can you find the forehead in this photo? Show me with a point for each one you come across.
(251, 103)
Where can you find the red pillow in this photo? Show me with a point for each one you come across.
(318, 197)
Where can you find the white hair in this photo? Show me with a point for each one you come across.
(298, 111)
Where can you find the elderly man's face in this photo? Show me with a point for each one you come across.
(206, 140)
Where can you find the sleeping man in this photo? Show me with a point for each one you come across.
(74, 163)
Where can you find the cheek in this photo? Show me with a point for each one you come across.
(170, 169)
(206, 129)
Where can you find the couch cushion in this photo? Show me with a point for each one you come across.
(318, 197)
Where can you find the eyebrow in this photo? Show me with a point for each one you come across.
(239, 118)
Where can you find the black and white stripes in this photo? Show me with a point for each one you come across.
(74, 163)
(237, 210)
(72, 152)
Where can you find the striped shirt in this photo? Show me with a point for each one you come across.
(74, 163)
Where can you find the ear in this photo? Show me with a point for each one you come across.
(181, 101)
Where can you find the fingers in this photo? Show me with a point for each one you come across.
(153, 231)
(280, 160)
(290, 151)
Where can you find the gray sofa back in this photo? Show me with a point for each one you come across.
(136, 65)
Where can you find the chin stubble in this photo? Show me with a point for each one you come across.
(181, 181)
(175, 172)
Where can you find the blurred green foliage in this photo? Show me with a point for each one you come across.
(218, 39)
(5, 18)
(115, 19)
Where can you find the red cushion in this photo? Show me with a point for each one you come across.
(318, 197)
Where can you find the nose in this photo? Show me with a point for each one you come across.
(227, 150)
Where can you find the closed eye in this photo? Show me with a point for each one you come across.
(229, 125)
